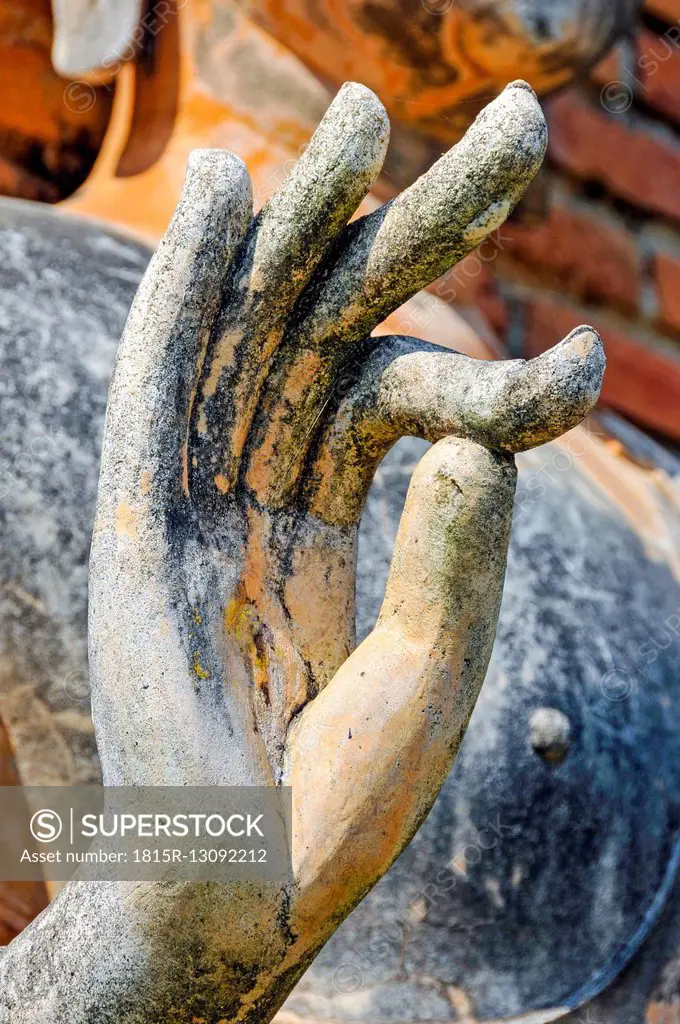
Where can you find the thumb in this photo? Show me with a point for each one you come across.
(448, 567)
(371, 752)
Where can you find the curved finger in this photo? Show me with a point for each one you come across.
(392, 253)
(408, 387)
(143, 499)
(397, 710)
(320, 194)
(288, 240)
(384, 258)
(167, 331)
(166, 335)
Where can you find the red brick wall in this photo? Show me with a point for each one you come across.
(606, 250)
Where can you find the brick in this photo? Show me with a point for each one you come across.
(588, 255)
(666, 270)
(628, 162)
(642, 382)
(658, 71)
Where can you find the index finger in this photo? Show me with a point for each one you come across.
(392, 253)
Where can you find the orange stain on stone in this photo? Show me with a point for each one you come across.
(242, 622)
(126, 521)
(308, 368)
(224, 357)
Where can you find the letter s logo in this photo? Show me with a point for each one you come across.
(46, 826)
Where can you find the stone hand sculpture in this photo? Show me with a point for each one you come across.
(248, 411)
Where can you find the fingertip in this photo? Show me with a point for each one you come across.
(519, 83)
(518, 113)
(357, 92)
(451, 546)
(219, 169)
(216, 158)
(459, 464)
(559, 388)
(210, 219)
(215, 205)
(360, 111)
(582, 354)
(585, 342)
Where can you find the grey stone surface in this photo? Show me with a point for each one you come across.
(382, 1004)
